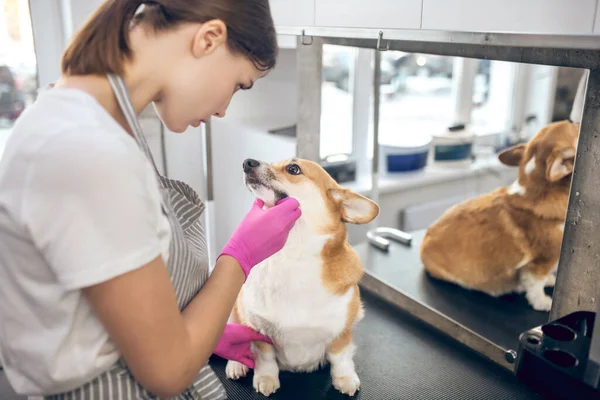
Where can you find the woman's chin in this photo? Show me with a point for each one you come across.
(172, 126)
(178, 129)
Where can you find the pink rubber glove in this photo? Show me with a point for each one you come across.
(262, 233)
(235, 344)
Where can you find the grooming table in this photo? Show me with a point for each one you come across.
(398, 357)
(497, 320)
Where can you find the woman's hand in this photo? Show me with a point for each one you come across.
(235, 344)
(262, 233)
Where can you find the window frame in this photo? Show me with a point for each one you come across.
(516, 99)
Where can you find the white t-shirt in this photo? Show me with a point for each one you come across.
(79, 204)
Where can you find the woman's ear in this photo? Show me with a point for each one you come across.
(513, 155)
(208, 37)
(354, 208)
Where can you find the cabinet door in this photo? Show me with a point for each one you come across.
(378, 14)
(519, 16)
(293, 12)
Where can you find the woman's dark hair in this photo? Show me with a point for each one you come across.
(102, 46)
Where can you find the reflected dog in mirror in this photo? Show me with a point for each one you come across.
(509, 240)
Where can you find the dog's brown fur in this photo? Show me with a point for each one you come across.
(509, 240)
(328, 268)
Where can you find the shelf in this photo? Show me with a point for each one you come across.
(430, 175)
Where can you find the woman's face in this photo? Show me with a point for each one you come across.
(203, 82)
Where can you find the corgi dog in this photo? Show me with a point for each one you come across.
(509, 240)
(306, 296)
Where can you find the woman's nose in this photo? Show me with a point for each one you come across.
(221, 113)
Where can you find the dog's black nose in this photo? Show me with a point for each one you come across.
(250, 164)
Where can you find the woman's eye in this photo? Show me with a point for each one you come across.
(293, 169)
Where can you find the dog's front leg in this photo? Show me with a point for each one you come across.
(340, 354)
(534, 277)
(266, 370)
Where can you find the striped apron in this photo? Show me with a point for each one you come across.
(188, 268)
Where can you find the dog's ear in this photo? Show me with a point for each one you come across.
(560, 164)
(512, 156)
(354, 208)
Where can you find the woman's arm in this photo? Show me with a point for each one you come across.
(94, 213)
(163, 347)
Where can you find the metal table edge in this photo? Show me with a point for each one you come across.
(437, 320)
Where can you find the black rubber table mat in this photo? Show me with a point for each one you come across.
(398, 357)
(501, 320)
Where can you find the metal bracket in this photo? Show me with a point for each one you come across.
(379, 38)
(306, 43)
(379, 237)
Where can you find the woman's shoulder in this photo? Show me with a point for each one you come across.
(66, 111)
(66, 130)
(74, 152)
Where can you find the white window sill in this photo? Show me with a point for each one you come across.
(431, 175)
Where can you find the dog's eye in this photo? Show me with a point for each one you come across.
(293, 169)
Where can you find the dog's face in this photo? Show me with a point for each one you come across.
(321, 199)
(548, 157)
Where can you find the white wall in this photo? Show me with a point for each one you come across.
(78, 12)
(49, 38)
(274, 97)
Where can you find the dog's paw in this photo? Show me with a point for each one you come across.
(541, 303)
(266, 384)
(550, 281)
(348, 384)
(235, 370)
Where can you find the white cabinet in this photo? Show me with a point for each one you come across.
(379, 14)
(516, 16)
(522, 16)
(293, 12)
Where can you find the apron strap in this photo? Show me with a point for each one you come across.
(124, 100)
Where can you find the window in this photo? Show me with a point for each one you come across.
(493, 92)
(416, 96)
(18, 69)
(337, 100)
(424, 94)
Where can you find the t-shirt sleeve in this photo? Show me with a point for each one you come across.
(93, 208)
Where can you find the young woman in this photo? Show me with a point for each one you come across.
(104, 286)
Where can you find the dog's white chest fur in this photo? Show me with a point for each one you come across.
(285, 298)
